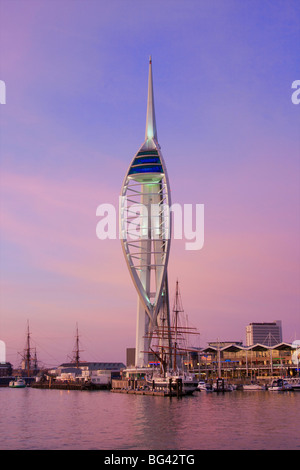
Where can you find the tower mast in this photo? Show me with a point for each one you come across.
(146, 239)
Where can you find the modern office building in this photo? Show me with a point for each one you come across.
(145, 228)
(267, 333)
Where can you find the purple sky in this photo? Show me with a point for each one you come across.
(76, 88)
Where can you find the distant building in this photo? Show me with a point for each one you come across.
(130, 357)
(114, 367)
(5, 369)
(267, 333)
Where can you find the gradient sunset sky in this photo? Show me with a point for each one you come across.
(76, 92)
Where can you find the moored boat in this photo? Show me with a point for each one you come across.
(183, 384)
(280, 385)
(205, 387)
(296, 385)
(201, 385)
(172, 377)
(17, 383)
(253, 386)
(292, 383)
(223, 386)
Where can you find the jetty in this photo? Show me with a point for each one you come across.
(71, 385)
(140, 387)
(154, 393)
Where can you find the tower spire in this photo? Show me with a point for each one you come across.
(151, 132)
(146, 183)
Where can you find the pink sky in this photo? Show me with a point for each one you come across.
(76, 80)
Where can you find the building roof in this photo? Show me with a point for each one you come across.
(254, 347)
(70, 370)
(96, 365)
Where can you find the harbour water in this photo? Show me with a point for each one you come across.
(68, 420)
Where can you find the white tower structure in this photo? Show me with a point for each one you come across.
(145, 228)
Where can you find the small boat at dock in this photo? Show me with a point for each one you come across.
(184, 384)
(17, 383)
(253, 387)
(293, 383)
(205, 387)
(279, 385)
(222, 385)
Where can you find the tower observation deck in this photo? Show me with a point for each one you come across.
(145, 228)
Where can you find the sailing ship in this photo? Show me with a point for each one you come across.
(171, 350)
(29, 364)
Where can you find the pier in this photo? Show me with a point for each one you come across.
(154, 393)
(68, 386)
(138, 387)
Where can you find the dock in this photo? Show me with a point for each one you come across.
(68, 386)
(138, 387)
(153, 393)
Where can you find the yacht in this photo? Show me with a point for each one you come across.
(293, 383)
(280, 385)
(205, 387)
(201, 385)
(253, 386)
(222, 385)
(296, 385)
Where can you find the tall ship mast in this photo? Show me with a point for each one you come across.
(76, 351)
(29, 356)
(172, 357)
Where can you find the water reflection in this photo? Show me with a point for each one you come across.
(54, 419)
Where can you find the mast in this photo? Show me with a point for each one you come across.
(28, 350)
(29, 361)
(172, 340)
(177, 309)
(35, 363)
(76, 351)
(219, 360)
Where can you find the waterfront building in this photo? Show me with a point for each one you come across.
(145, 228)
(268, 333)
(86, 369)
(130, 357)
(5, 369)
(242, 362)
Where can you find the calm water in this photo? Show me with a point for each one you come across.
(54, 419)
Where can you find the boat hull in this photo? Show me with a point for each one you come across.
(280, 386)
(253, 387)
(174, 384)
(17, 385)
